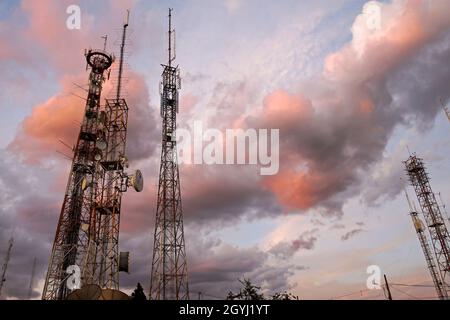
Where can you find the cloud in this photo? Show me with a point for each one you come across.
(286, 250)
(336, 126)
(334, 129)
(59, 118)
(233, 5)
(215, 267)
(28, 211)
(223, 194)
(351, 234)
(387, 177)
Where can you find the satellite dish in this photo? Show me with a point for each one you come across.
(137, 181)
(98, 155)
(88, 292)
(110, 294)
(101, 140)
(102, 117)
(101, 144)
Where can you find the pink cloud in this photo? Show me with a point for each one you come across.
(340, 122)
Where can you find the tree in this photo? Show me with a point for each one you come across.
(138, 293)
(284, 296)
(249, 292)
(252, 292)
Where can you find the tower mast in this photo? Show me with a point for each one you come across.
(447, 112)
(33, 271)
(425, 245)
(169, 279)
(434, 219)
(87, 235)
(103, 262)
(5, 264)
(76, 221)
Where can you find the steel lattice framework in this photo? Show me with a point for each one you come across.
(169, 279)
(76, 222)
(88, 229)
(434, 219)
(425, 245)
(102, 263)
(5, 264)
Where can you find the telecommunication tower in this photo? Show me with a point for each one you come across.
(88, 229)
(169, 279)
(103, 262)
(33, 271)
(434, 219)
(447, 112)
(425, 245)
(76, 221)
(5, 264)
(445, 109)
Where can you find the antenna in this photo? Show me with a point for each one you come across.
(445, 108)
(105, 37)
(169, 275)
(444, 208)
(5, 264)
(122, 49)
(171, 57)
(411, 208)
(434, 222)
(30, 288)
(77, 85)
(407, 148)
(447, 112)
(66, 145)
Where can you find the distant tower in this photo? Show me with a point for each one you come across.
(447, 112)
(33, 271)
(434, 219)
(87, 235)
(420, 230)
(5, 264)
(169, 280)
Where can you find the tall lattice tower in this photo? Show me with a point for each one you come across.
(447, 112)
(75, 225)
(88, 230)
(425, 245)
(169, 279)
(102, 265)
(33, 273)
(434, 219)
(5, 264)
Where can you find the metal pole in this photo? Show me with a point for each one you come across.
(387, 288)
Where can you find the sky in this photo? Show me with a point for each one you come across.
(349, 101)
